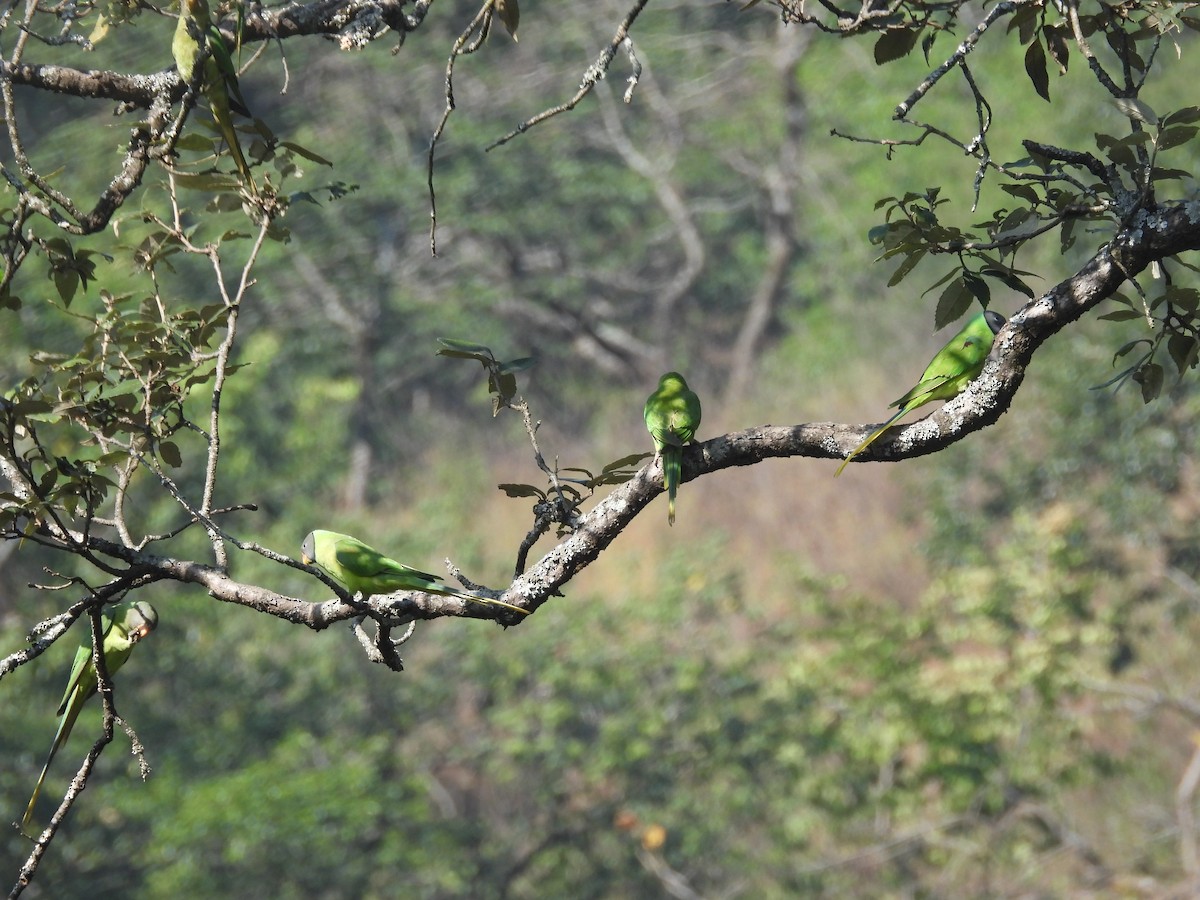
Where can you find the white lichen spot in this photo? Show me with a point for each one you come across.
(354, 40)
(919, 432)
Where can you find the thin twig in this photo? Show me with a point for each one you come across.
(959, 54)
(463, 45)
(591, 77)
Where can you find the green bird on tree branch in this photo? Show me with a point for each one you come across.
(364, 570)
(947, 375)
(123, 627)
(672, 415)
(196, 37)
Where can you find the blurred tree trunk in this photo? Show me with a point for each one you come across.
(779, 181)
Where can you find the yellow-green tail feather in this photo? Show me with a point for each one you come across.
(672, 459)
(870, 440)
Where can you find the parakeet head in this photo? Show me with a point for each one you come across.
(995, 321)
(141, 619)
(672, 381)
(308, 549)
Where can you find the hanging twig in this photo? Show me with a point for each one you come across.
(591, 76)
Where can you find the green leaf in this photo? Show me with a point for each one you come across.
(1024, 22)
(120, 389)
(625, 461)
(927, 44)
(466, 346)
(937, 284)
(510, 14)
(522, 490)
(1183, 298)
(952, 304)
(196, 141)
(907, 266)
(1125, 348)
(168, 452)
(31, 408)
(518, 365)
(1173, 137)
(1183, 351)
(1057, 45)
(66, 282)
(978, 288)
(1119, 40)
(1116, 150)
(306, 153)
(894, 44)
(1035, 68)
(505, 385)
(47, 481)
(1150, 377)
(617, 477)
(1066, 235)
(1136, 109)
(1182, 116)
(1023, 191)
(1009, 279)
(460, 354)
(1120, 315)
(1159, 174)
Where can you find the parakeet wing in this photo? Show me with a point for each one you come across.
(948, 373)
(369, 564)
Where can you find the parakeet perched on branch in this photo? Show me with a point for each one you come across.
(366, 571)
(194, 33)
(672, 416)
(947, 374)
(125, 625)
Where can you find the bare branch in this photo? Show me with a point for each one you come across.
(469, 40)
(591, 77)
(959, 54)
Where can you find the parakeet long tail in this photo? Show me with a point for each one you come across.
(870, 439)
(672, 460)
(219, 104)
(488, 601)
(69, 715)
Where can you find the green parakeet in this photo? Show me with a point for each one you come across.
(219, 80)
(125, 625)
(948, 373)
(366, 571)
(672, 416)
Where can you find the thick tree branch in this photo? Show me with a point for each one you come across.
(136, 90)
(1153, 235)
